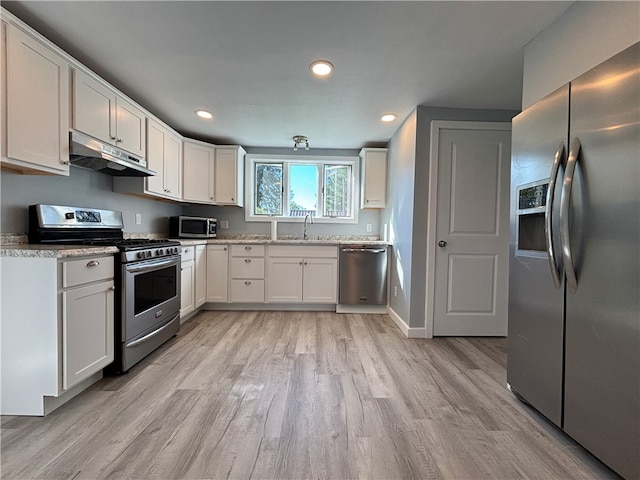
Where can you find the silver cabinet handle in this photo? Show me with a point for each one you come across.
(247, 282)
(247, 260)
(112, 137)
(565, 204)
(225, 249)
(93, 263)
(247, 247)
(442, 244)
(113, 289)
(548, 214)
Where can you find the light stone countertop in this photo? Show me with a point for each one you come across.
(311, 241)
(26, 250)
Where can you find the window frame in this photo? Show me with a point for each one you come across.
(250, 192)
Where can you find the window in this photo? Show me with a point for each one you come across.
(291, 187)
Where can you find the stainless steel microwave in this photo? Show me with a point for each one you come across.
(192, 227)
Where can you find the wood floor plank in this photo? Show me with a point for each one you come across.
(299, 395)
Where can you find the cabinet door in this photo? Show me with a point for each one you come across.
(284, 280)
(198, 166)
(87, 324)
(217, 273)
(374, 179)
(94, 107)
(155, 157)
(173, 165)
(37, 104)
(187, 304)
(228, 188)
(130, 127)
(201, 275)
(164, 156)
(320, 283)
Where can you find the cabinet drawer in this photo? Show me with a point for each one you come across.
(304, 251)
(188, 253)
(86, 270)
(247, 291)
(247, 267)
(247, 250)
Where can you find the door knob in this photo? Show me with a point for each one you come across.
(442, 243)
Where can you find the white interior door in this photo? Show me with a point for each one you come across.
(471, 244)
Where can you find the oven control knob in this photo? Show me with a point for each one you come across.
(159, 252)
(175, 249)
(140, 255)
(148, 253)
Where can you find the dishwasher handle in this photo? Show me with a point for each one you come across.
(364, 249)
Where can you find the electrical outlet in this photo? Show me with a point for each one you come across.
(138, 218)
(224, 224)
(369, 226)
(395, 290)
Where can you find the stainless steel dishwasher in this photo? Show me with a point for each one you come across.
(363, 275)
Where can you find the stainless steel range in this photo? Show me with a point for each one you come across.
(147, 275)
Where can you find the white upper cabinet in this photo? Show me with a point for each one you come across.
(100, 112)
(198, 162)
(373, 184)
(228, 176)
(164, 156)
(35, 99)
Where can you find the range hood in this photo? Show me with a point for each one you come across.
(92, 154)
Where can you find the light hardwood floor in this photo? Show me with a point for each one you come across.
(292, 395)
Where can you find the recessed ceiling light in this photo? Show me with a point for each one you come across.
(321, 68)
(388, 117)
(206, 114)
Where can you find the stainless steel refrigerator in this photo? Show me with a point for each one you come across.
(574, 289)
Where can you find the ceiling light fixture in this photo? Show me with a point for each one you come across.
(206, 114)
(321, 68)
(298, 140)
(388, 117)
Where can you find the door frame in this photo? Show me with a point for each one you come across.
(432, 208)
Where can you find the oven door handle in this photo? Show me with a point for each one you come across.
(152, 334)
(153, 265)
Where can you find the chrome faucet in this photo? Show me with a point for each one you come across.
(310, 219)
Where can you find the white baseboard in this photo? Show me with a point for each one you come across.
(410, 332)
(51, 403)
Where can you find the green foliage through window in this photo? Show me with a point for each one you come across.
(296, 188)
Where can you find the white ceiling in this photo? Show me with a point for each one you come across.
(248, 61)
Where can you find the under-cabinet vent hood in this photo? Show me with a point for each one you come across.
(87, 152)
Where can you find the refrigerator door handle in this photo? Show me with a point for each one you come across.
(548, 214)
(565, 203)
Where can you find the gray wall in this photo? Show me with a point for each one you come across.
(408, 207)
(587, 34)
(81, 188)
(399, 213)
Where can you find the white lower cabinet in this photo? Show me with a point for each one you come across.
(247, 273)
(301, 274)
(200, 288)
(217, 273)
(187, 281)
(88, 332)
(53, 346)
